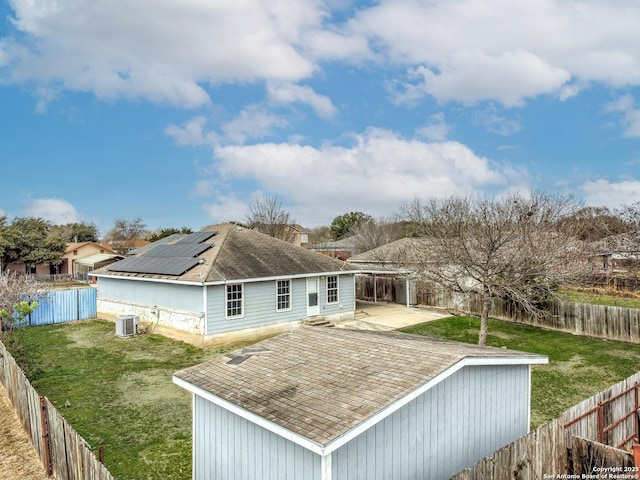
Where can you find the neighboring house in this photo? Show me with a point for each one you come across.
(74, 252)
(86, 252)
(336, 404)
(225, 284)
(390, 271)
(124, 247)
(297, 235)
(340, 249)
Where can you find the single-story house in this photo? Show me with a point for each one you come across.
(224, 284)
(335, 404)
(390, 272)
(85, 253)
(341, 249)
(74, 252)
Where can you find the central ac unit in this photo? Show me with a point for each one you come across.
(126, 325)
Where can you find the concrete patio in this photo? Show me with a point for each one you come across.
(384, 316)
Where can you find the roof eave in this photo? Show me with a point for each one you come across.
(345, 437)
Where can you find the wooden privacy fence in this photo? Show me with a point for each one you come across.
(600, 321)
(61, 306)
(544, 451)
(63, 452)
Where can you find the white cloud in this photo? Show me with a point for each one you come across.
(192, 133)
(630, 119)
(55, 210)
(621, 104)
(205, 188)
(157, 50)
(473, 75)
(502, 50)
(375, 174)
(610, 194)
(287, 93)
(437, 130)
(225, 208)
(253, 122)
(461, 50)
(45, 96)
(496, 123)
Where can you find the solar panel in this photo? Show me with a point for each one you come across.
(197, 237)
(154, 265)
(178, 250)
(170, 259)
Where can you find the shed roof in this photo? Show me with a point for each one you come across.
(237, 253)
(321, 383)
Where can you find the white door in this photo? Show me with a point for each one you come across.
(313, 305)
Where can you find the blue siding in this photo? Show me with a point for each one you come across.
(62, 306)
(259, 309)
(228, 447)
(172, 296)
(448, 428)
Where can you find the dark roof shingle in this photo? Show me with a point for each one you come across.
(319, 383)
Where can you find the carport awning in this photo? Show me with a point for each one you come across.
(93, 260)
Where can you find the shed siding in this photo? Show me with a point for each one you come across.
(228, 447)
(464, 418)
(259, 307)
(167, 295)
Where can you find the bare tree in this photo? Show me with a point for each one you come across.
(124, 233)
(374, 233)
(267, 215)
(18, 298)
(627, 245)
(510, 248)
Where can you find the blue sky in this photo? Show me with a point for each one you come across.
(180, 113)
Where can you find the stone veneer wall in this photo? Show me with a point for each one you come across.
(188, 322)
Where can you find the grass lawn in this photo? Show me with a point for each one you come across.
(118, 392)
(629, 300)
(578, 367)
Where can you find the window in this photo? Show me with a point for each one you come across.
(332, 289)
(234, 300)
(283, 295)
(75, 252)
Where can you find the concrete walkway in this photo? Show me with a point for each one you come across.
(388, 316)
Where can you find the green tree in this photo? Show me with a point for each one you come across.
(30, 240)
(77, 232)
(342, 225)
(165, 232)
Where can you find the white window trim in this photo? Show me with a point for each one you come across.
(226, 301)
(337, 289)
(290, 295)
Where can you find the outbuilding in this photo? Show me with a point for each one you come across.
(336, 404)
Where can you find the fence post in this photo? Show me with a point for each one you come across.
(635, 417)
(45, 438)
(601, 422)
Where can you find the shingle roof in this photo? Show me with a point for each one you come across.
(320, 383)
(241, 254)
